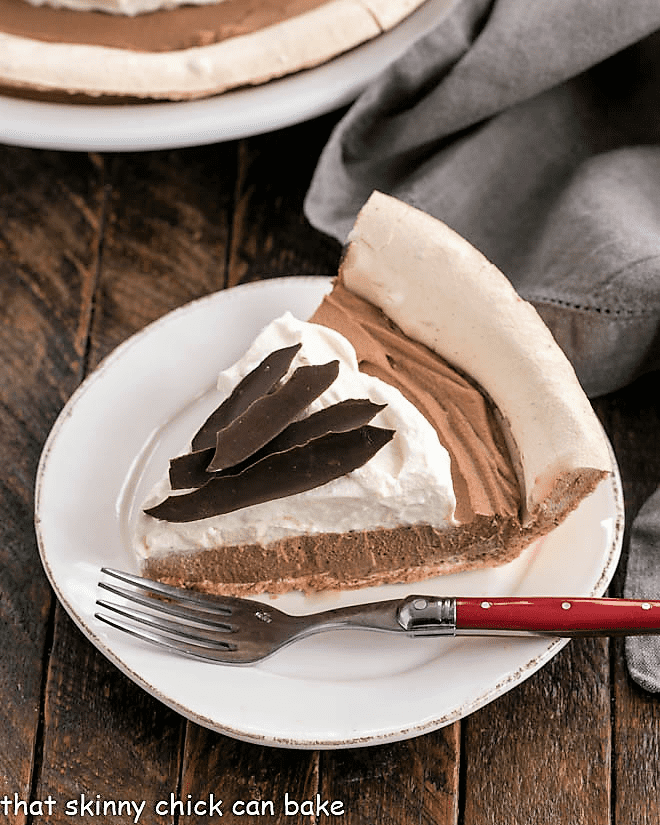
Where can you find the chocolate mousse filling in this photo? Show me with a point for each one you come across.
(159, 31)
(483, 472)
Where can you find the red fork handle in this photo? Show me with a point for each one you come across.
(559, 616)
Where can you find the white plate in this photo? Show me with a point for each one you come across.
(340, 689)
(237, 114)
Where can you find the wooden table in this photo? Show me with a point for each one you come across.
(92, 248)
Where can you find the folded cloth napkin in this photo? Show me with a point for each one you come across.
(643, 580)
(532, 129)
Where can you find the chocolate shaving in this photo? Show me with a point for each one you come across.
(269, 415)
(189, 471)
(254, 385)
(277, 475)
(338, 418)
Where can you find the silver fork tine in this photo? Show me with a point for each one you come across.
(196, 650)
(198, 618)
(212, 603)
(188, 632)
(174, 609)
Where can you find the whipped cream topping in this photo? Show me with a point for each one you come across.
(130, 8)
(408, 482)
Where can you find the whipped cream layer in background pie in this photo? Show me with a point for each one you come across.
(142, 49)
(426, 314)
(127, 7)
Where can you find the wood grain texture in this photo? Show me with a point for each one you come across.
(636, 748)
(253, 781)
(49, 237)
(104, 737)
(164, 223)
(270, 236)
(541, 753)
(165, 237)
(414, 781)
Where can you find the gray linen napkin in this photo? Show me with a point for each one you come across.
(643, 581)
(533, 129)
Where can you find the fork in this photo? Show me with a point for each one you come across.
(239, 631)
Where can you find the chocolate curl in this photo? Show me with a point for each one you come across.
(254, 385)
(188, 471)
(269, 415)
(277, 475)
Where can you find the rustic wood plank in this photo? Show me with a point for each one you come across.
(252, 781)
(164, 243)
(414, 781)
(636, 748)
(632, 416)
(166, 237)
(105, 740)
(49, 235)
(541, 753)
(270, 235)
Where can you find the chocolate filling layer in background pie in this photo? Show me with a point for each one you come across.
(164, 30)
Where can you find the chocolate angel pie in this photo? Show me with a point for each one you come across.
(423, 421)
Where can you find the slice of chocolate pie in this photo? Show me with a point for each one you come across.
(422, 422)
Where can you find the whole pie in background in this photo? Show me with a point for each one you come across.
(167, 50)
